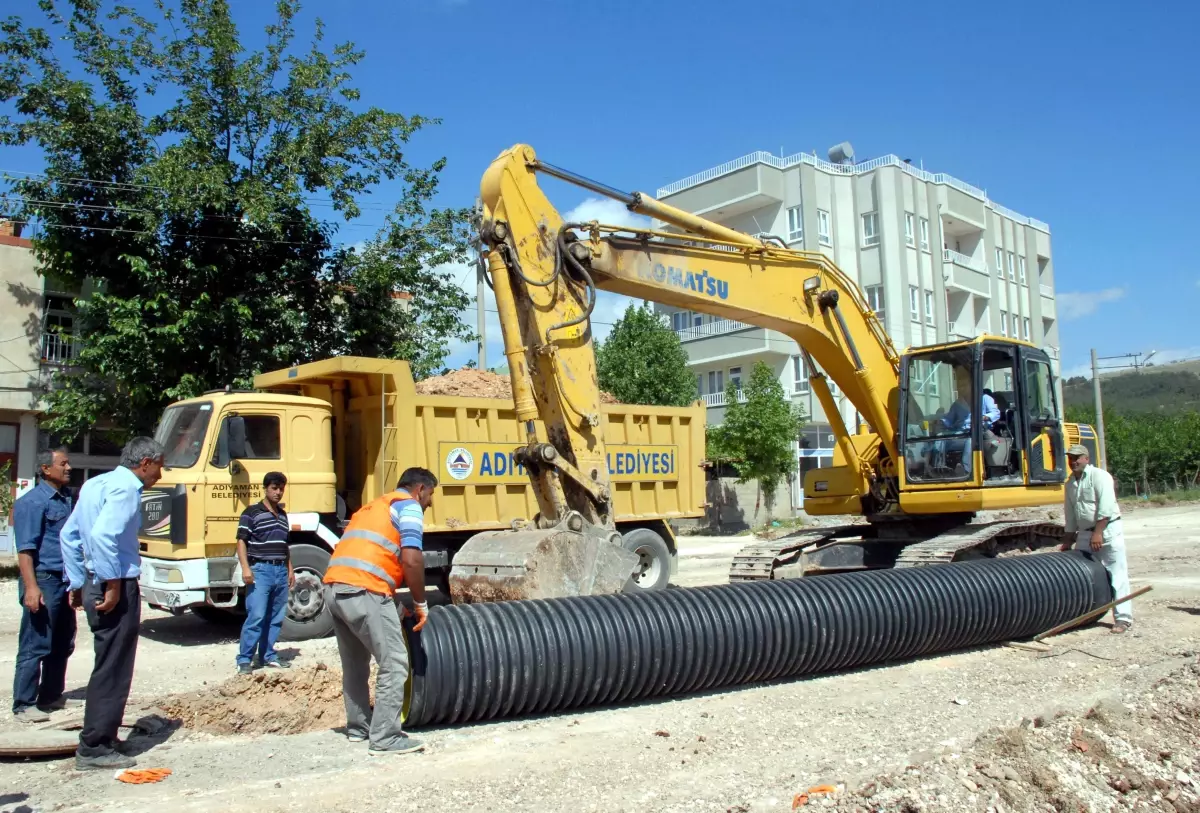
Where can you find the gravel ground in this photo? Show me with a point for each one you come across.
(905, 736)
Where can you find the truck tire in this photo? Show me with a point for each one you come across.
(307, 616)
(653, 571)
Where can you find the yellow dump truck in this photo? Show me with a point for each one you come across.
(342, 430)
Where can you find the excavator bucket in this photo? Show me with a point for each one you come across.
(543, 563)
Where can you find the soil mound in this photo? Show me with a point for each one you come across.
(472, 383)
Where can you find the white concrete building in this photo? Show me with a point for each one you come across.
(936, 257)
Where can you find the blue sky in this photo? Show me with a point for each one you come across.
(1084, 115)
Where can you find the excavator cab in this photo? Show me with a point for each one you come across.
(980, 413)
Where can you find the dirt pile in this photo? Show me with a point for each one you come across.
(1143, 754)
(266, 702)
(472, 383)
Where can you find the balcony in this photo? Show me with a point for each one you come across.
(963, 260)
(965, 279)
(1047, 290)
(716, 327)
(58, 348)
(959, 332)
(718, 399)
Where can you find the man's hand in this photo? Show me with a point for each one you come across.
(112, 594)
(422, 612)
(1097, 540)
(247, 575)
(76, 599)
(33, 600)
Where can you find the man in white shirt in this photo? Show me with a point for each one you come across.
(1092, 521)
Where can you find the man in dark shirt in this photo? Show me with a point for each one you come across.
(47, 635)
(267, 571)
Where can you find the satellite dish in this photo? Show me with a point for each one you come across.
(841, 153)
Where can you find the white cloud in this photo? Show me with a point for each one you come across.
(608, 211)
(1077, 304)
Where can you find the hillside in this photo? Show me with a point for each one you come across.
(1167, 390)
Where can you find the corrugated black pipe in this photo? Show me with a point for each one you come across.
(505, 659)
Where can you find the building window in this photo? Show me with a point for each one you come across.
(795, 225)
(1000, 263)
(1021, 269)
(909, 236)
(735, 378)
(823, 233)
(679, 320)
(799, 375)
(924, 234)
(1003, 325)
(699, 385)
(875, 299)
(1025, 328)
(1016, 326)
(716, 381)
(914, 308)
(929, 307)
(1012, 274)
(870, 228)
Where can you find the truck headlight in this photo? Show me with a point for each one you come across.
(169, 575)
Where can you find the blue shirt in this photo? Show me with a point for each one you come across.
(101, 535)
(958, 417)
(409, 520)
(38, 519)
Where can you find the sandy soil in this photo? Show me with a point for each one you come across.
(475, 383)
(995, 728)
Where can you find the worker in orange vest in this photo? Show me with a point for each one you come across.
(380, 551)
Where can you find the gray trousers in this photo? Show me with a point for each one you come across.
(1112, 556)
(368, 625)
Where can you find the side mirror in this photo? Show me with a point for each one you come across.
(237, 437)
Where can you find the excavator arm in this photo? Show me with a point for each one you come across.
(545, 274)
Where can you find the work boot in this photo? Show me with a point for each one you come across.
(245, 668)
(110, 761)
(31, 714)
(405, 746)
(277, 664)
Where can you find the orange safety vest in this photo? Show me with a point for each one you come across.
(368, 555)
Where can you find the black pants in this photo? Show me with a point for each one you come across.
(116, 639)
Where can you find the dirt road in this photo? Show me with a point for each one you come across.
(746, 749)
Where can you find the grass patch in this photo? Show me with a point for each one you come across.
(1178, 495)
(9, 571)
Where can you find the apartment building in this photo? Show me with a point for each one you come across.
(936, 257)
(36, 316)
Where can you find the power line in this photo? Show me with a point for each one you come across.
(82, 182)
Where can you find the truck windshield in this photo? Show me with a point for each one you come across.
(181, 432)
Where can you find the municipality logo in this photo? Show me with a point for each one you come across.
(460, 463)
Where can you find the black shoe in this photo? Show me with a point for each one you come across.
(277, 664)
(111, 761)
(245, 668)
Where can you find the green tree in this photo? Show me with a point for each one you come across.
(642, 361)
(179, 170)
(757, 434)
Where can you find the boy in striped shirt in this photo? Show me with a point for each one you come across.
(262, 548)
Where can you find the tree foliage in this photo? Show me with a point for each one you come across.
(757, 434)
(1157, 389)
(642, 361)
(178, 173)
(1148, 452)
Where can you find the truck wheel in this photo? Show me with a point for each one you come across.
(653, 571)
(307, 616)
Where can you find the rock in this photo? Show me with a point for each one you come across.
(1011, 774)
(969, 785)
(1183, 778)
(992, 772)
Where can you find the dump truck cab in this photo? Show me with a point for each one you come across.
(218, 448)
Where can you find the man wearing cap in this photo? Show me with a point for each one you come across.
(1092, 523)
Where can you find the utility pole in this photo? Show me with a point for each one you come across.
(1099, 409)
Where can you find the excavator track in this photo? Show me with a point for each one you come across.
(854, 547)
(760, 560)
(988, 539)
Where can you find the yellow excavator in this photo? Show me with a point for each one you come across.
(945, 431)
